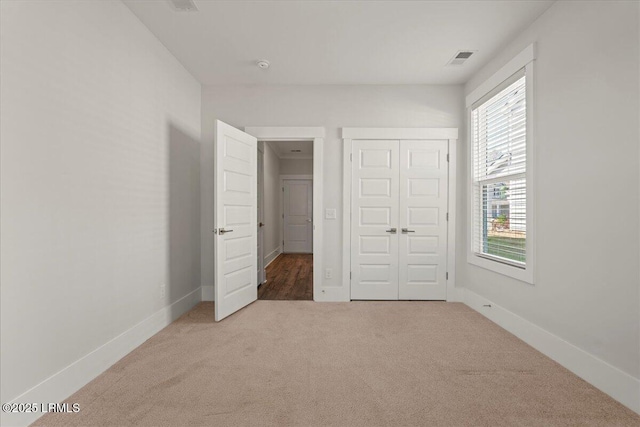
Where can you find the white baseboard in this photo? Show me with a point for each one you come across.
(332, 294)
(271, 256)
(207, 293)
(75, 376)
(611, 380)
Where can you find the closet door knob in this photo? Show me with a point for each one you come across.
(392, 230)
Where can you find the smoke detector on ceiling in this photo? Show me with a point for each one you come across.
(263, 63)
(184, 5)
(461, 57)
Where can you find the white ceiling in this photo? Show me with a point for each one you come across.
(283, 149)
(332, 42)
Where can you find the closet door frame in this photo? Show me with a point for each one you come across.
(449, 134)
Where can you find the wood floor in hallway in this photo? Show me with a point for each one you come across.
(289, 277)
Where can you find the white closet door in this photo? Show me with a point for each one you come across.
(374, 220)
(423, 220)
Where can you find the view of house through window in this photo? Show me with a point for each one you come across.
(499, 173)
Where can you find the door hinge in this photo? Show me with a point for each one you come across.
(447, 157)
(447, 216)
(283, 189)
(447, 275)
(350, 275)
(351, 157)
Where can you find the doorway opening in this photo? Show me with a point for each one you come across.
(237, 210)
(285, 219)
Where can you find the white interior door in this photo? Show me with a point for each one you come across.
(235, 220)
(261, 272)
(298, 215)
(423, 220)
(374, 220)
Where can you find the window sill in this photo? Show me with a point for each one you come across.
(518, 273)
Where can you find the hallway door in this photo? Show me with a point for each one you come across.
(235, 219)
(298, 216)
(261, 272)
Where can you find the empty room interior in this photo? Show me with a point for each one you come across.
(319, 213)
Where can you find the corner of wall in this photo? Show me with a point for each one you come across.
(79, 373)
(207, 293)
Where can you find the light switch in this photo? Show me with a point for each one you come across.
(330, 214)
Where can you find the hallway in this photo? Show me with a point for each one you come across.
(289, 277)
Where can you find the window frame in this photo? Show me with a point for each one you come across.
(525, 273)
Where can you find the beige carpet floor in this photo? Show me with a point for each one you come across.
(299, 363)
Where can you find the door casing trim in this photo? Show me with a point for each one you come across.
(315, 134)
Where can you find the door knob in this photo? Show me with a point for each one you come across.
(392, 230)
(406, 230)
(308, 219)
(261, 224)
(222, 231)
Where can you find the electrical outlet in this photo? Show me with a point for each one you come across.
(328, 273)
(163, 290)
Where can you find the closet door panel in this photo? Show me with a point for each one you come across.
(423, 220)
(374, 214)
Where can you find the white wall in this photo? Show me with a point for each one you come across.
(296, 167)
(332, 107)
(587, 154)
(272, 217)
(100, 185)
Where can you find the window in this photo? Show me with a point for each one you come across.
(500, 187)
(499, 123)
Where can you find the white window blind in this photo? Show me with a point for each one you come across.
(499, 173)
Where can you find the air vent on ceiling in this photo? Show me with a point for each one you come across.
(461, 57)
(296, 151)
(184, 5)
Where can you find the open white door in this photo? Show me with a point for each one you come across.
(235, 219)
(261, 271)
